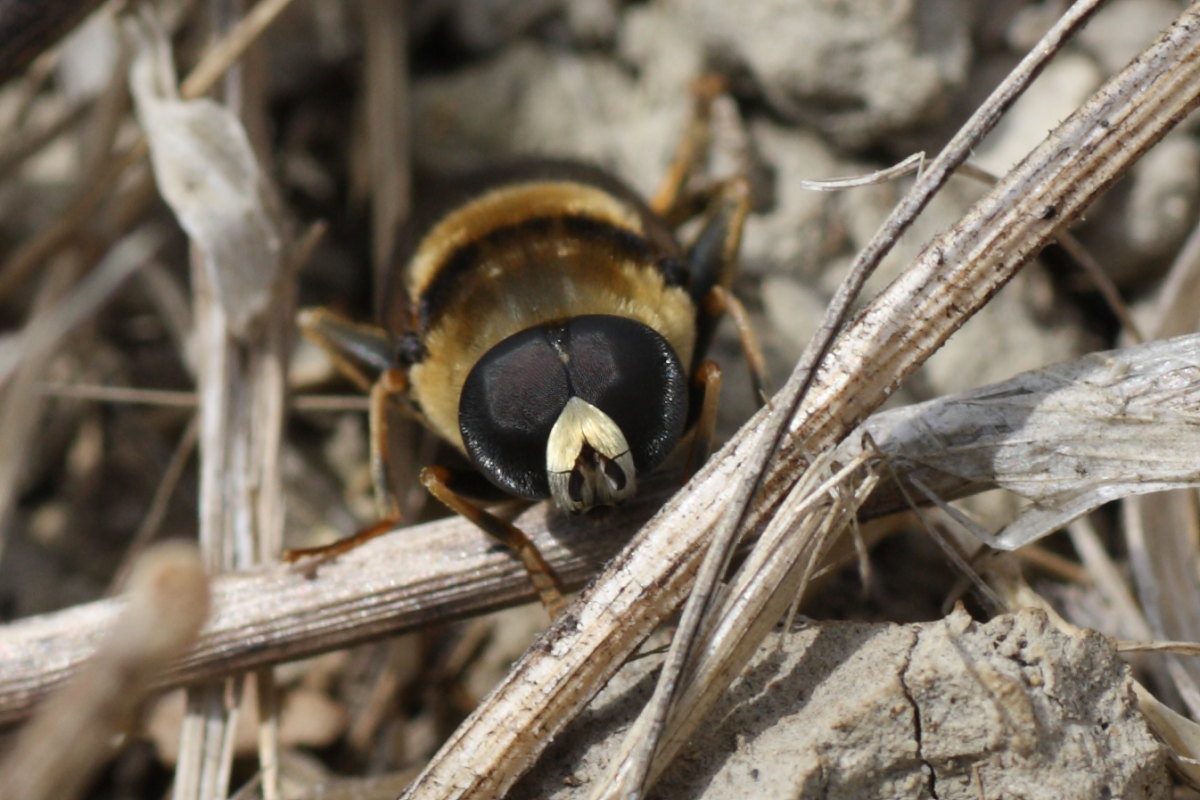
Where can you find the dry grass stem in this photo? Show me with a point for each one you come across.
(165, 605)
(22, 361)
(131, 202)
(207, 170)
(1182, 648)
(1080, 255)
(446, 569)
(356, 113)
(181, 399)
(386, 37)
(419, 576)
(28, 30)
(952, 278)
(635, 771)
(120, 394)
(908, 166)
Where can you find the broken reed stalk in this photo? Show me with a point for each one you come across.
(431, 573)
(207, 171)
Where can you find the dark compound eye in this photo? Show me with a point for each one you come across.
(516, 392)
(631, 373)
(509, 403)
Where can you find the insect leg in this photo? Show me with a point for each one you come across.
(712, 257)
(439, 480)
(325, 553)
(358, 351)
(672, 202)
(706, 388)
(722, 301)
(391, 383)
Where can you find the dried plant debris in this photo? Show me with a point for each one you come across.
(1067, 439)
(116, 185)
(206, 169)
(950, 446)
(947, 709)
(167, 603)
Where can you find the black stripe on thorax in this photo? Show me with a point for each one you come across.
(624, 243)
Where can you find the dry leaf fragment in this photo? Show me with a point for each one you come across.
(1068, 438)
(207, 172)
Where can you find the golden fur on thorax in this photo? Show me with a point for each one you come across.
(511, 205)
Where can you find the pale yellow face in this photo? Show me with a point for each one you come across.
(588, 462)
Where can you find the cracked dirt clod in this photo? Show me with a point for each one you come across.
(947, 709)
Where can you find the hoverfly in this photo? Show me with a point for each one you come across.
(552, 330)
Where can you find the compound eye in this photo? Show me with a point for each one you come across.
(510, 401)
(574, 410)
(632, 374)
